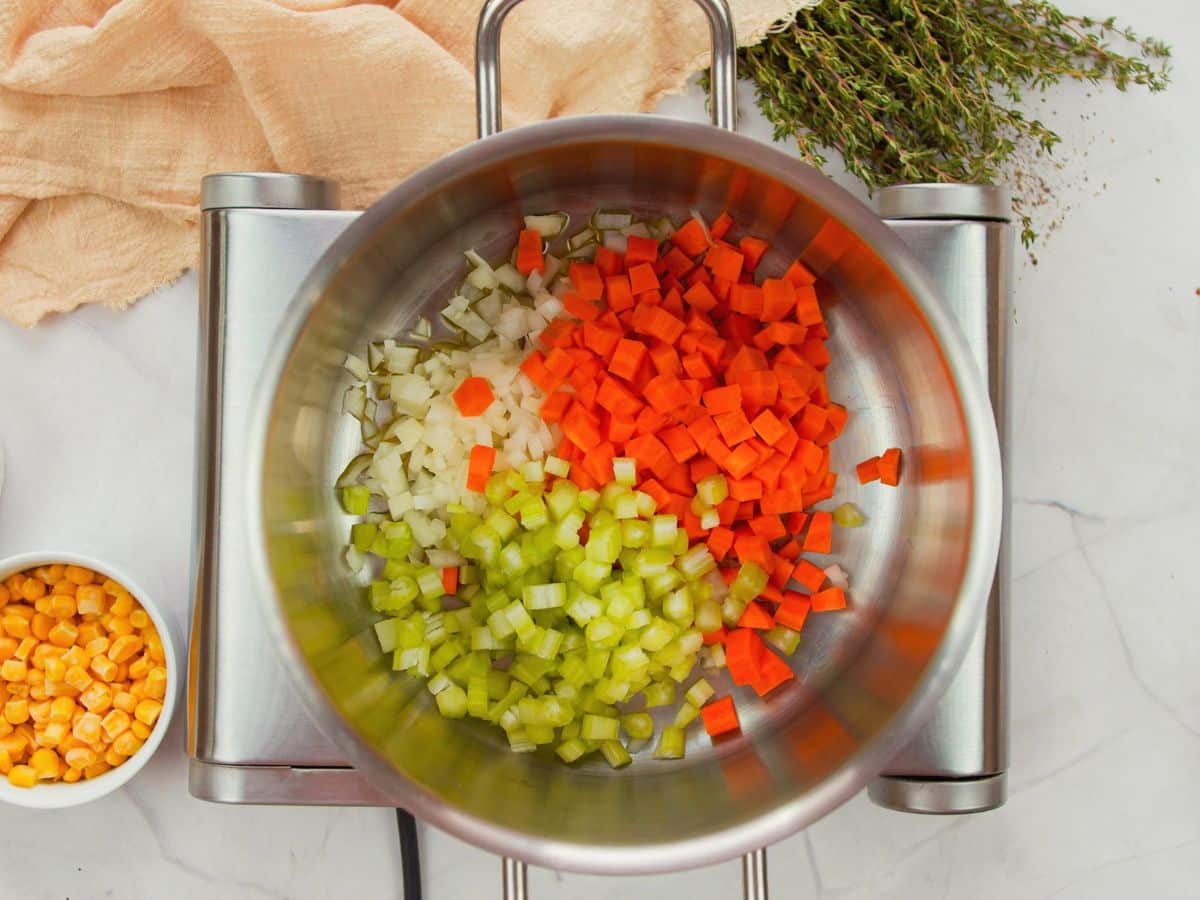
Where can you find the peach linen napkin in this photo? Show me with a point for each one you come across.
(111, 111)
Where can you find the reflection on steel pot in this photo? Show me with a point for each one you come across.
(867, 677)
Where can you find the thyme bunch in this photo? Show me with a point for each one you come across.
(930, 90)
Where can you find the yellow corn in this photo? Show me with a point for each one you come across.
(61, 606)
(80, 757)
(97, 647)
(8, 646)
(71, 776)
(79, 575)
(65, 588)
(154, 645)
(122, 604)
(46, 763)
(77, 678)
(97, 698)
(41, 625)
(5, 595)
(22, 776)
(88, 632)
(32, 589)
(55, 668)
(141, 730)
(115, 723)
(14, 745)
(13, 670)
(111, 588)
(14, 625)
(104, 668)
(16, 689)
(124, 647)
(120, 625)
(87, 729)
(113, 756)
(5, 727)
(97, 768)
(127, 744)
(54, 734)
(125, 701)
(24, 648)
(139, 618)
(16, 711)
(63, 634)
(140, 667)
(89, 600)
(39, 712)
(6, 762)
(62, 709)
(147, 711)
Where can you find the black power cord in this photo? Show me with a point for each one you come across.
(410, 854)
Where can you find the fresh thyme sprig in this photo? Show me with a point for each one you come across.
(930, 90)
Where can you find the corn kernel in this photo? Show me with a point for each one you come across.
(6, 762)
(20, 610)
(122, 604)
(111, 587)
(34, 676)
(14, 625)
(32, 589)
(5, 595)
(77, 678)
(89, 600)
(88, 632)
(13, 670)
(46, 763)
(42, 604)
(22, 776)
(38, 692)
(125, 701)
(71, 776)
(24, 648)
(140, 730)
(54, 734)
(104, 668)
(80, 757)
(16, 689)
(8, 646)
(127, 744)
(139, 618)
(115, 723)
(97, 768)
(80, 575)
(42, 573)
(41, 625)
(75, 656)
(140, 667)
(55, 668)
(98, 647)
(65, 588)
(124, 647)
(5, 727)
(120, 625)
(138, 689)
(97, 698)
(87, 729)
(16, 711)
(61, 606)
(147, 711)
(39, 712)
(62, 709)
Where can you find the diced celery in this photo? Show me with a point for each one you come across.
(646, 504)
(699, 693)
(712, 489)
(639, 619)
(625, 507)
(624, 470)
(574, 671)
(514, 480)
(628, 663)
(438, 683)
(657, 635)
(519, 618)
(504, 525)
(563, 498)
(516, 690)
(591, 575)
(710, 518)
(410, 632)
(513, 560)
(549, 644)
(566, 533)
(677, 606)
(604, 544)
(663, 530)
(615, 754)
(412, 659)
(708, 615)
(597, 661)
(785, 639)
(589, 500)
(429, 580)
(527, 668)
(555, 466)
(600, 728)
(566, 562)
(660, 693)
(362, 535)
(498, 683)
(401, 592)
(639, 726)
(487, 542)
(532, 470)
(446, 654)
(732, 609)
(611, 690)
(499, 624)
(534, 514)
(570, 750)
(713, 656)
(544, 596)
(452, 702)
(748, 583)
(477, 696)
(682, 669)
(685, 715)
(635, 533)
(670, 743)
(652, 561)
(681, 543)
(658, 586)
(848, 516)
(540, 734)
(356, 499)
(601, 632)
(496, 490)
(483, 638)
(385, 632)
(583, 608)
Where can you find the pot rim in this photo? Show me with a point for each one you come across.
(799, 811)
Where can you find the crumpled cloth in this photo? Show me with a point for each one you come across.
(111, 111)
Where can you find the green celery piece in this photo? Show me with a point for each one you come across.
(639, 726)
(671, 743)
(356, 499)
(615, 754)
(362, 535)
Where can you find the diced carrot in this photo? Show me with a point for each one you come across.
(619, 292)
(769, 527)
(648, 450)
(697, 366)
(720, 542)
(781, 571)
(734, 427)
(808, 308)
(749, 547)
(474, 395)
(557, 334)
(680, 443)
(702, 467)
(666, 393)
(720, 717)
(836, 417)
(642, 279)
(677, 262)
(714, 637)
(704, 431)
(743, 648)
(815, 351)
(746, 299)
(723, 399)
(617, 399)
(745, 488)
(829, 599)
(756, 616)
(724, 262)
(690, 238)
(721, 225)
(792, 612)
(700, 297)
(627, 358)
(773, 672)
(752, 249)
(640, 250)
(450, 579)
(576, 306)
(586, 279)
(809, 575)
(529, 252)
(868, 470)
(819, 538)
(650, 421)
(767, 426)
(889, 467)
(746, 359)
(608, 262)
(581, 427)
(759, 388)
(479, 467)
(799, 274)
(660, 494)
(740, 462)
(812, 420)
(554, 406)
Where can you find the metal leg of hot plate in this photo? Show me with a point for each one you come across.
(754, 877)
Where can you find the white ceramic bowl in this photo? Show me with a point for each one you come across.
(57, 795)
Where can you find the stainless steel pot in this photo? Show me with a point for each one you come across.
(920, 569)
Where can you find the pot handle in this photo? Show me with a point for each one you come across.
(754, 877)
(722, 83)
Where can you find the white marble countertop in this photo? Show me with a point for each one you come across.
(96, 417)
